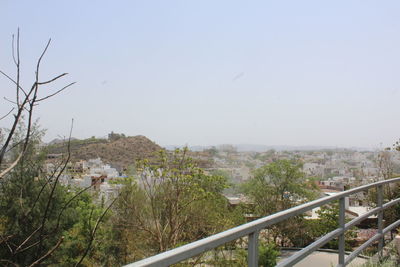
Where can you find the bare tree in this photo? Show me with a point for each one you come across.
(24, 106)
(26, 100)
(385, 164)
(45, 238)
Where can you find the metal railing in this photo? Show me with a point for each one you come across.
(252, 230)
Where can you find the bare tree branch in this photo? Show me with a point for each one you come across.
(25, 102)
(13, 50)
(52, 80)
(17, 64)
(28, 247)
(45, 256)
(68, 203)
(40, 59)
(5, 240)
(9, 262)
(12, 102)
(7, 170)
(26, 240)
(17, 118)
(13, 81)
(53, 189)
(59, 91)
(7, 114)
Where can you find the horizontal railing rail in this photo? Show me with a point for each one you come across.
(252, 230)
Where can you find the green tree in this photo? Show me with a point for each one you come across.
(278, 186)
(212, 151)
(268, 255)
(385, 166)
(328, 221)
(169, 204)
(36, 212)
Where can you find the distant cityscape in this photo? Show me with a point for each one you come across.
(334, 170)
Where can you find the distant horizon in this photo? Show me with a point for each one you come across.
(212, 72)
(241, 146)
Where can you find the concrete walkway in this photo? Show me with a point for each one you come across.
(321, 259)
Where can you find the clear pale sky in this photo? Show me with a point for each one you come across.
(212, 72)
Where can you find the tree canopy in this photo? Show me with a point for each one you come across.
(168, 204)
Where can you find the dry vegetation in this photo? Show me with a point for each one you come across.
(119, 153)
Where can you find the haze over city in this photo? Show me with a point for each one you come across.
(294, 73)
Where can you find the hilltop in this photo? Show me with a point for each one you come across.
(118, 150)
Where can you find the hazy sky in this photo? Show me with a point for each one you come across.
(212, 72)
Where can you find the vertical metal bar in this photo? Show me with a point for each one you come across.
(342, 207)
(252, 253)
(380, 219)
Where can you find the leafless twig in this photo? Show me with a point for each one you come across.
(57, 92)
(44, 219)
(7, 114)
(52, 80)
(9, 262)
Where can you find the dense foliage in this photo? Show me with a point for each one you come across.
(277, 186)
(168, 204)
(41, 221)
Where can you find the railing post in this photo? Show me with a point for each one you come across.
(252, 253)
(342, 209)
(380, 220)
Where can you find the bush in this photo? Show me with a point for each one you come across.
(268, 254)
